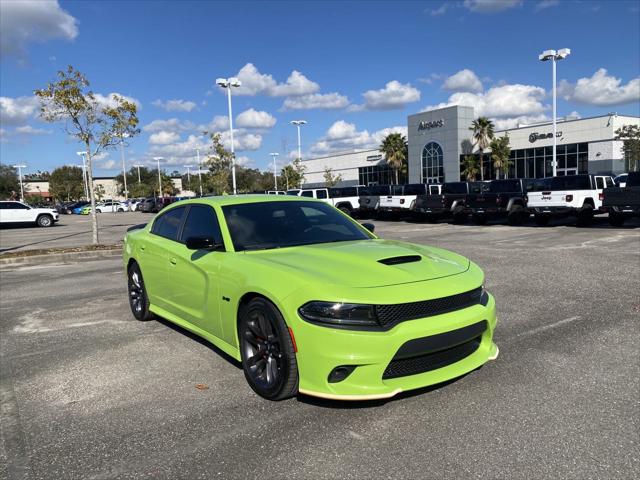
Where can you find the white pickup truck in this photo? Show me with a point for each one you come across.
(18, 212)
(343, 198)
(573, 195)
(402, 198)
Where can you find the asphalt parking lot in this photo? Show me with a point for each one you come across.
(88, 392)
(70, 230)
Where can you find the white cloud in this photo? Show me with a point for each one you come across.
(344, 136)
(163, 138)
(601, 89)
(491, 6)
(29, 130)
(393, 95)
(255, 83)
(106, 165)
(321, 101)
(217, 124)
(545, 4)
(109, 100)
(24, 22)
(501, 101)
(177, 105)
(513, 122)
(170, 125)
(441, 10)
(244, 161)
(255, 119)
(17, 111)
(463, 81)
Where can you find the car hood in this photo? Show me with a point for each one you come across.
(357, 263)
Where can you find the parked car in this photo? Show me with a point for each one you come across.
(61, 207)
(579, 196)
(308, 300)
(500, 198)
(343, 198)
(369, 199)
(451, 203)
(18, 212)
(402, 198)
(75, 207)
(275, 192)
(623, 202)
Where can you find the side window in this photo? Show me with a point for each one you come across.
(167, 224)
(599, 183)
(609, 182)
(321, 194)
(18, 206)
(307, 193)
(201, 222)
(4, 206)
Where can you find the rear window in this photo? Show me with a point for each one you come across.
(454, 187)
(633, 179)
(307, 193)
(375, 190)
(321, 194)
(415, 189)
(571, 182)
(539, 184)
(343, 192)
(396, 189)
(478, 187)
(504, 186)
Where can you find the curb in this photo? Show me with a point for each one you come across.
(67, 257)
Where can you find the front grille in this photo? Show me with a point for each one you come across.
(390, 315)
(432, 361)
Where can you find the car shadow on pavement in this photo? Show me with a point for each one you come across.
(358, 404)
(200, 340)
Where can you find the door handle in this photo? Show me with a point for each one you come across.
(173, 261)
(142, 247)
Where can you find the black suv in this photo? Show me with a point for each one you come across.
(500, 198)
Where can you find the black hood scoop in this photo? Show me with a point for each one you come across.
(400, 260)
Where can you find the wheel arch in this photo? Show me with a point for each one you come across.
(589, 201)
(251, 295)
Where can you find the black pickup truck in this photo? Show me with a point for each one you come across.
(452, 203)
(500, 198)
(623, 202)
(369, 199)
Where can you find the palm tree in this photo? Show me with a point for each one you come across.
(482, 134)
(395, 149)
(500, 152)
(470, 164)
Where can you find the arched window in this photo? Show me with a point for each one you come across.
(432, 168)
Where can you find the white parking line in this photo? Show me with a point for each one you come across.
(534, 331)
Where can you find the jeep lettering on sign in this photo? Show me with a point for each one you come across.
(432, 124)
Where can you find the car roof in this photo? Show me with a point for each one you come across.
(224, 200)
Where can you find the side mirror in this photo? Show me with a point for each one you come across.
(201, 243)
(369, 226)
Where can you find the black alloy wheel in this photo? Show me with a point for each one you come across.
(267, 352)
(138, 299)
(616, 219)
(585, 216)
(516, 216)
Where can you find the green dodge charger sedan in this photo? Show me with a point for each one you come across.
(309, 300)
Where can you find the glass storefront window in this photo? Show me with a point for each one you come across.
(432, 163)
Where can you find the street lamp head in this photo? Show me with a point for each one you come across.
(19, 166)
(547, 55)
(81, 153)
(222, 82)
(235, 82)
(298, 122)
(274, 154)
(563, 53)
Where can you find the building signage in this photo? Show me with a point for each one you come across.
(432, 124)
(541, 136)
(374, 158)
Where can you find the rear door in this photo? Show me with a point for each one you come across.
(194, 294)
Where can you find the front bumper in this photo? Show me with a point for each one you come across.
(322, 349)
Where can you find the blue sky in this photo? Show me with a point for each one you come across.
(352, 70)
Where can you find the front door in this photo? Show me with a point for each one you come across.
(195, 291)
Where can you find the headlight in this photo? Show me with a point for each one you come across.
(340, 314)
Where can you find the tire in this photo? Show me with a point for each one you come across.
(44, 221)
(542, 220)
(137, 292)
(616, 219)
(516, 216)
(98, 210)
(585, 216)
(345, 210)
(479, 219)
(267, 352)
(121, 210)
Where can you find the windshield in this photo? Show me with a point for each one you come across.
(260, 226)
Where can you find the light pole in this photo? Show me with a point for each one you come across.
(199, 168)
(124, 171)
(20, 167)
(84, 174)
(157, 159)
(228, 83)
(188, 167)
(554, 56)
(275, 170)
(299, 123)
(138, 167)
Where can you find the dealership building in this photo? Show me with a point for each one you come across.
(439, 139)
